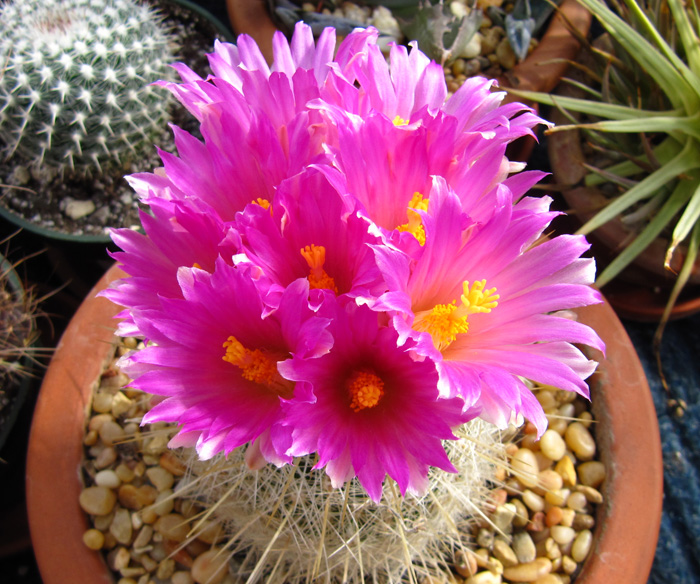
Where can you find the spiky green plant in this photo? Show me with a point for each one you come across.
(75, 81)
(648, 90)
(289, 525)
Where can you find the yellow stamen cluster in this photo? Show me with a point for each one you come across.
(445, 321)
(256, 366)
(399, 121)
(315, 256)
(366, 390)
(415, 222)
(476, 299)
(264, 203)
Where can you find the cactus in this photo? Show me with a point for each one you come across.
(288, 525)
(75, 81)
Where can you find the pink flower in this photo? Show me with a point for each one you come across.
(480, 300)
(176, 235)
(311, 231)
(376, 411)
(215, 359)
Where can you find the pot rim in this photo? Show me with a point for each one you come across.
(625, 536)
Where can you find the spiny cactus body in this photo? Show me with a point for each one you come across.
(75, 80)
(288, 525)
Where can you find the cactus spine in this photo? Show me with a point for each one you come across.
(288, 525)
(75, 81)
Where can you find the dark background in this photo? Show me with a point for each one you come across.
(68, 273)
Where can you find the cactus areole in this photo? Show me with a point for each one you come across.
(76, 93)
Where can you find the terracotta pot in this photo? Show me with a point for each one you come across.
(540, 71)
(627, 433)
(642, 289)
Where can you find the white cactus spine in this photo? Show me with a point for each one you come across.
(75, 80)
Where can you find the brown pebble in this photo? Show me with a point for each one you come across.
(173, 527)
(97, 500)
(465, 564)
(170, 462)
(583, 521)
(528, 572)
(121, 527)
(94, 539)
(136, 498)
(536, 522)
(554, 516)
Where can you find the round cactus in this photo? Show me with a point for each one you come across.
(75, 88)
(290, 523)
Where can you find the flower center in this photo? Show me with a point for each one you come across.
(257, 367)
(315, 256)
(366, 390)
(264, 203)
(445, 321)
(399, 121)
(415, 222)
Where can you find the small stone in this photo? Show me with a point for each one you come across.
(94, 539)
(209, 567)
(522, 516)
(136, 498)
(120, 404)
(77, 209)
(173, 527)
(143, 538)
(107, 478)
(503, 553)
(552, 445)
(118, 559)
(565, 467)
(181, 578)
(591, 473)
(160, 478)
(111, 432)
(484, 578)
(502, 517)
(505, 55)
(591, 494)
(465, 564)
(554, 516)
(485, 538)
(170, 462)
(582, 545)
(562, 535)
(524, 466)
(164, 503)
(102, 402)
(165, 569)
(557, 497)
(568, 565)
(549, 480)
(97, 500)
(121, 527)
(528, 572)
(577, 501)
(105, 458)
(583, 521)
(209, 532)
(125, 474)
(567, 517)
(552, 550)
(533, 501)
(580, 440)
(524, 547)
